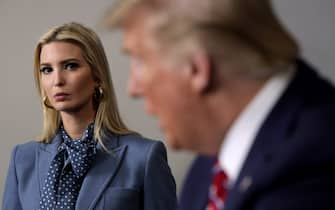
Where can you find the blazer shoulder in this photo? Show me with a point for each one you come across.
(138, 142)
(26, 151)
(142, 150)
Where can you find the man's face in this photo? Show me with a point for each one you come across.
(164, 85)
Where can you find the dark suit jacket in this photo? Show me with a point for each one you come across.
(133, 175)
(291, 165)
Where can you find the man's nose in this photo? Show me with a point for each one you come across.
(134, 85)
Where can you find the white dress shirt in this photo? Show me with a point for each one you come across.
(241, 135)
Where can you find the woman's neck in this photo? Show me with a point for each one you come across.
(75, 125)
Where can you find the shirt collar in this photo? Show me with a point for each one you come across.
(241, 135)
(87, 133)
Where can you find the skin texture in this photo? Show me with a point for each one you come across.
(67, 81)
(151, 78)
(176, 90)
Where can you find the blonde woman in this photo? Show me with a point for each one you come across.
(86, 158)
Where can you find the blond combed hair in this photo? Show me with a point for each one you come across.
(249, 28)
(107, 117)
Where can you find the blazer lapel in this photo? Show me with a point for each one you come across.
(263, 163)
(201, 183)
(46, 154)
(100, 175)
(194, 194)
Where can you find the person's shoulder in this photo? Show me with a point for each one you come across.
(28, 145)
(135, 138)
(137, 141)
(140, 151)
(136, 145)
(307, 75)
(25, 149)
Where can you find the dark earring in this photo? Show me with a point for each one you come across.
(101, 92)
(97, 96)
(45, 102)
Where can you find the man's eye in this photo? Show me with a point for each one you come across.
(71, 66)
(46, 70)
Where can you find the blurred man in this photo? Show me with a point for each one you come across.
(225, 80)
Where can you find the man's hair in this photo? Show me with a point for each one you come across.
(229, 30)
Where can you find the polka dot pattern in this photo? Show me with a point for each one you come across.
(67, 171)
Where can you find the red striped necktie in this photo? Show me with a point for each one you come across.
(218, 189)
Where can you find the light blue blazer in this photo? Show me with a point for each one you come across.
(133, 175)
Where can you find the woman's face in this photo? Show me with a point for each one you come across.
(66, 78)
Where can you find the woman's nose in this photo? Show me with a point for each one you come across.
(58, 78)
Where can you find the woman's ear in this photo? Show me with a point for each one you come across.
(202, 72)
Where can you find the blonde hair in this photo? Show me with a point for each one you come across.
(107, 117)
(248, 27)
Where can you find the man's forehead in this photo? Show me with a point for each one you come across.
(138, 35)
(144, 23)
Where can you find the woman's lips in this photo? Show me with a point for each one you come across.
(60, 96)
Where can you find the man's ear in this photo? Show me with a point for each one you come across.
(202, 72)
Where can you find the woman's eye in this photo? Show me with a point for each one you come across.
(71, 66)
(46, 70)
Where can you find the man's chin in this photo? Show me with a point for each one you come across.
(172, 143)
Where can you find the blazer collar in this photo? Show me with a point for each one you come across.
(101, 173)
(98, 177)
(53, 146)
(111, 142)
(47, 153)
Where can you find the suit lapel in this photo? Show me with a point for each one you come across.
(46, 154)
(100, 175)
(259, 168)
(194, 194)
(202, 182)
